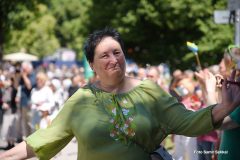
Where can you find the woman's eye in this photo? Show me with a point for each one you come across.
(104, 56)
(116, 53)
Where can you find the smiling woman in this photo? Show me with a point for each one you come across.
(119, 117)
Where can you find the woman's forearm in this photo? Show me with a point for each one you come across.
(19, 152)
(220, 111)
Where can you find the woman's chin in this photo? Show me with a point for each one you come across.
(116, 74)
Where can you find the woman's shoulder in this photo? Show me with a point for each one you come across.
(152, 88)
(85, 91)
(83, 94)
(146, 85)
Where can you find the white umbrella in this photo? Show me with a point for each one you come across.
(20, 56)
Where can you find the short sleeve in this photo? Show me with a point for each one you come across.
(48, 142)
(235, 115)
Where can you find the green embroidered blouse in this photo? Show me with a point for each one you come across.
(125, 126)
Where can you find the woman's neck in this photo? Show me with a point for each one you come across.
(115, 87)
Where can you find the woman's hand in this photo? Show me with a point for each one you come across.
(231, 92)
(230, 98)
(208, 85)
(207, 80)
(19, 152)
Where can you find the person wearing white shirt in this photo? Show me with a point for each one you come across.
(41, 96)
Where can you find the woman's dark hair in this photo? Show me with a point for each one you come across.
(95, 38)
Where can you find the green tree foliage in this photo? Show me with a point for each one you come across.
(157, 31)
(33, 31)
(71, 22)
(9, 22)
(154, 31)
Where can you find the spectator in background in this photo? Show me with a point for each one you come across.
(176, 77)
(185, 146)
(58, 96)
(75, 85)
(27, 82)
(1, 102)
(75, 70)
(177, 74)
(207, 142)
(154, 75)
(231, 124)
(66, 83)
(141, 73)
(45, 120)
(189, 74)
(9, 128)
(164, 75)
(50, 71)
(41, 97)
(132, 74)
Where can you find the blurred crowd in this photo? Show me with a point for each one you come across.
(30, 98)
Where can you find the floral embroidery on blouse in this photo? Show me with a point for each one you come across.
(121, 127)
(121, 114)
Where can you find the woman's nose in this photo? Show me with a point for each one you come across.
(113, 58)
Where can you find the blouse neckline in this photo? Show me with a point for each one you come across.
(142, 82)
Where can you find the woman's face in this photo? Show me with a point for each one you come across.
(109, 60)
(40, 82)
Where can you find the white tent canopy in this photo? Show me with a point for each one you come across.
(20, 56)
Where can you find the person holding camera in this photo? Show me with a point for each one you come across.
(26, 82)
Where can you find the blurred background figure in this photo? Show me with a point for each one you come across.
(141, 73)
(230, 136)
(185, 146)
(209, 141)
(1, 86)
(75, 85)
(26, 83)
(41, 100)
(58, 96)
(154, 74)
(226, 144)
(10, 117)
